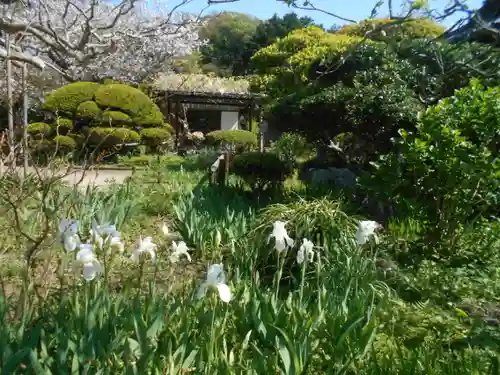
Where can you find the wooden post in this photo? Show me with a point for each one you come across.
(177, 132)
(262, 132)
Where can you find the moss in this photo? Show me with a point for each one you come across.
(115, 117)
(88, 110)
(65, 142)
(67, 98)
(155, 136)
(112, 136)
(133, 102)
(39, 129)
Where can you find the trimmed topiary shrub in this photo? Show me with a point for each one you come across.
(39, 129)
(63, 126)
(67, 98)
(133, 102)
(241, 139)
(88, 110)
(169, 128)
(112, 136)
(260, 170)
(65, 143)
(115, 117)
(155, 136)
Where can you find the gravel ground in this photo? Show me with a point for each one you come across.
(89, 177)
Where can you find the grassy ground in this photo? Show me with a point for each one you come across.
(353, 310)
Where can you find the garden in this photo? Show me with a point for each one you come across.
(365, 239)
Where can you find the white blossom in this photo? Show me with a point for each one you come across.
(179, 249)
(366, 230)
(306, 251)
(281, 237)
(87, 258)
(68, 230)
(144, 246)
(216, 279)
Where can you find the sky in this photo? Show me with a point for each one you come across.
(351, 9)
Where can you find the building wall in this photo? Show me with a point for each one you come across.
(229, 120)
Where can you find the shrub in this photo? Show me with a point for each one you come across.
(112, 136)
(39, 129)
(133, 102)
(260, 170)
(241, 139)
(169, 128)
(115, 117)
(67, 98)
(447, 170)
(65, 142)
(63, 126)
(394, 29)
(290, 147)
(154, 136)
(88, 110)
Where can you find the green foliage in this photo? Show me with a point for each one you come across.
(168, 128)
(115, 117)
(386, 29)
(155, 136)
(112, 136)
(373, 108)
(39, 129)
(290, 147)
(65, 142)
(229, 35)
(260, 170)
(131, 101)
(232, 138)
(88, 110)
(447, 171)
(63, 126)
(67, 98)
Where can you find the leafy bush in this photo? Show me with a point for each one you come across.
(290, 147)
(169, 128)
(241, 139)
(155, 136)
(63, 126)
(133, 102)
(447, 171)
(260, 170)
(88, 110)
(112, 136)
(115, 117)
(65, 142)
(39, 129)
(385, 29)
(67, 98)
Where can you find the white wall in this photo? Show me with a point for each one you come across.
(229, 120)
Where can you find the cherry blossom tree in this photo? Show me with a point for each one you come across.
(88, 39)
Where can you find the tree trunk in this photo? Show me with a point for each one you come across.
(10, 109)
(25, 121)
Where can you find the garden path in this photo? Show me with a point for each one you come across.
(98, 177)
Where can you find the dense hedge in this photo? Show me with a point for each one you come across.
(65, 142)
(112, 136)
(95, 110)
(155, 136)
(39, 129)
(260, 170)
(115, 117)
(131, 101)
(67, 98)
(233, 138)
